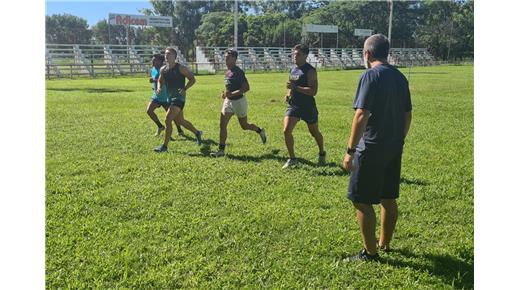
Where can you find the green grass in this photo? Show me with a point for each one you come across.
(120, 216)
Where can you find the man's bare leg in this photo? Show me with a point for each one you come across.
(367, 223)
(389, 214)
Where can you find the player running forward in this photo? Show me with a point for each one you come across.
(235, 101)
(173, 75)
(158, 100)
(302, 87)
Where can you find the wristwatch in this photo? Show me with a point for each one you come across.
(351, 151)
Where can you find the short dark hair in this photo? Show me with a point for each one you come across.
(302, 47)
(378, 46)
(171, 49)
(231, 52)
(159, 57)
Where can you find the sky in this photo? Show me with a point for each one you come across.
(95, 10)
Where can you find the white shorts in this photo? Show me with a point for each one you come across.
(239, 107)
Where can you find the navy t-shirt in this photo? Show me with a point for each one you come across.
(299, 77)
(174, 80)
(233, 79)
(383, 90)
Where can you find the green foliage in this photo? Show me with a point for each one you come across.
(447, 28)
(100, 32)
(67, 29)
(119, 216)
(217, 29)
(444, 27)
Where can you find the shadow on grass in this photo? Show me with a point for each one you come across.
(413, 181)
(92, 90)
(332, 169)
(270, 156)
(452, 270)
(207, 142)
(427, 73)
(205, 148)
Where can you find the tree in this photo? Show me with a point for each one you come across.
(268, 30)
(66, 29)
(293, 9)
(100, 33)
(447, 28)
(215, 30)
(348, 16)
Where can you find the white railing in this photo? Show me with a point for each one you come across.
(67, 60)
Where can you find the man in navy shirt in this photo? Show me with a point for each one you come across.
(381, 121)
(302, 87)
(235, 102)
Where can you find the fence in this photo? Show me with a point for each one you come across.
(114, 60)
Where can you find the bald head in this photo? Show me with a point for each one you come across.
(378, 46)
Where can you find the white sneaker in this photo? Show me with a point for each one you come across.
(219, 153)
(159, 130)
(263, 136)
(291, 163)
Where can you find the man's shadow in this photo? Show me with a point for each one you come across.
(452, 270)
(205, 148)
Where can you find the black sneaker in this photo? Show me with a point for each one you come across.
(198, 135)
(161, 149)
(364, 256)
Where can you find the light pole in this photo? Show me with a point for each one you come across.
(236, 24)
(390, 22)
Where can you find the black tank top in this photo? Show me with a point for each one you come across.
(174, 79)
(298, 77)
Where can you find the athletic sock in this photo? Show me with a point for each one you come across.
(258, 130)
(159, 124)
(221, 147)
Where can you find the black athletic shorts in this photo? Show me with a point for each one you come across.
(177, 103)
(377, 175)
(162, 104)
(308, 114)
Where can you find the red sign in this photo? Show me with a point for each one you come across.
(127, 20)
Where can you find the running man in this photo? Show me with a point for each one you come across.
(235, 101)
(158, 100)
(302, 87)
(174, 75)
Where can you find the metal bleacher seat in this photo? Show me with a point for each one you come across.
(64, 60)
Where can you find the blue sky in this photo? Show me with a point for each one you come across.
(96, 10)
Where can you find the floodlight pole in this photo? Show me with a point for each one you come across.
(390, 22)
(236, 24)
(284, 34)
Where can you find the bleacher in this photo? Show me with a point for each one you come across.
(67, 60)
(211, 59)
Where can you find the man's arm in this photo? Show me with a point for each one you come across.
(189, 75)
(160, 81)
(359, 124)
(288, 95)
(407, 122)
(243, 89)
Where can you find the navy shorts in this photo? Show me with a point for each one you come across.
(377, 175)
(177, 103)
(162, 104)
(308, 114)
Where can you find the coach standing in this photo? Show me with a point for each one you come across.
(380, 124)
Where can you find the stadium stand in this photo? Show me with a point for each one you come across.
(68, 60)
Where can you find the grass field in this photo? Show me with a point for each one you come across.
(120, 216)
